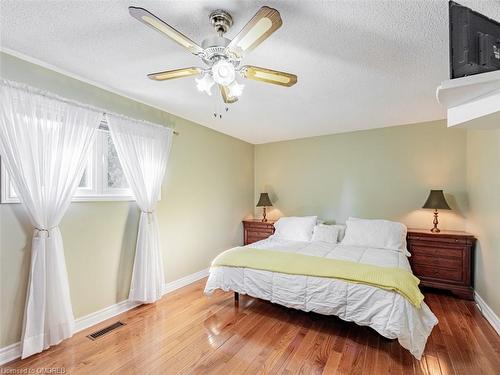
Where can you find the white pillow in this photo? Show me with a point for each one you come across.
(341, 230)
(295, 228)
(325, 233)
(382, 234)
(387, 221)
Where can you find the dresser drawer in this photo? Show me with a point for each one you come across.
(259, 233)
(418, 250)
(259, 226)
(252, 239)
(427, 260)
(440, 240)
(445, 274)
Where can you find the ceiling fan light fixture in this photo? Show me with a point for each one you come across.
(222, 56)
(205, 83)
(223, 72)
(236, 89)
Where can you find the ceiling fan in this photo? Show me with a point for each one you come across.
(221, 55)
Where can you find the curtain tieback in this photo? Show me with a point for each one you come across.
(150, 215)
(44, 232)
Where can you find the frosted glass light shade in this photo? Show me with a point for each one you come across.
(205, 84)
(223, 72)
(236, 89)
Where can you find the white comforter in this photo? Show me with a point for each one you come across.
(387, 312)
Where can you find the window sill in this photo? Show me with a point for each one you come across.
(104, 198)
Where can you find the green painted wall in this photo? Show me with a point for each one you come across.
(387, 173)
(383, 173)
(483, 182)
(208, 188)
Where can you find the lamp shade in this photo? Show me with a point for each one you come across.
(264, 200)
(436, 200)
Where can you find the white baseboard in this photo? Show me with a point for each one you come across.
(99, 316)
(189, 279)
(488, 313)
(9, 353)
(13, 351)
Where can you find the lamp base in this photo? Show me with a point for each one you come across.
(435, 222)
(264, 219)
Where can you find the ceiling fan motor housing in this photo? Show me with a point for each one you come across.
(221, 21)
(214, 49)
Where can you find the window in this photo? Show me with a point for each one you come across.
(102, 180)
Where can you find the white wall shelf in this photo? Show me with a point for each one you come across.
(473, 101)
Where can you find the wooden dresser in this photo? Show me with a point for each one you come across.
(255, 230)
(443, 260)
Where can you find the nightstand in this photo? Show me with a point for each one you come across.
(255, 230)
(443, 260)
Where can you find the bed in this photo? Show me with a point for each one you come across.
(386, 311)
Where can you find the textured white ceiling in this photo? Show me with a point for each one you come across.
(361, 64)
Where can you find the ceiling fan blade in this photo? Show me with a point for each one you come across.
(224, 91)
(172, 74)
(265, 22)
(269, 76)
(157, 24)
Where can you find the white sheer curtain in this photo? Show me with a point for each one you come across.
(143, 150)
(44, 143)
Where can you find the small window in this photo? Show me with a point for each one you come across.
(85, 181)
(102, 180)
(114, 177)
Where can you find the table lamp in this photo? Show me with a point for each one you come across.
(264, 202)
(436, 201)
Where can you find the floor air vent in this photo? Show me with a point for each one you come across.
(102, 332)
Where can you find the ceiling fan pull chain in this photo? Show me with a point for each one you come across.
(215, 105)
(219, 107)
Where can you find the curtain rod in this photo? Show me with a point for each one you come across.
(104, 126)
(37, 91)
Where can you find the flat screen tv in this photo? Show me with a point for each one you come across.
(474, 42)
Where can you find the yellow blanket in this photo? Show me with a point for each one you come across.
(390, 278)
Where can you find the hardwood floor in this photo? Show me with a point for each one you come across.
(188, 333)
